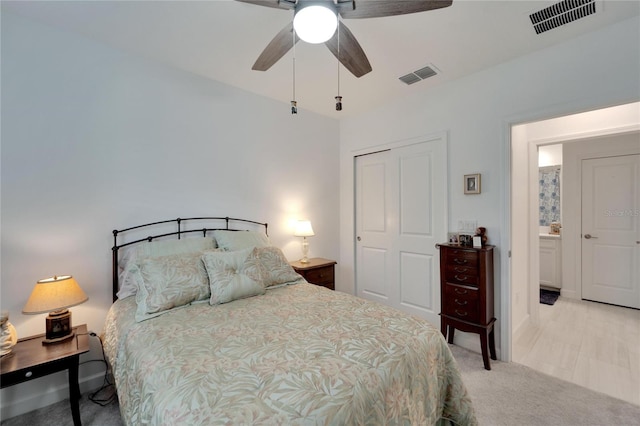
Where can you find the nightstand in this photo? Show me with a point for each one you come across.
(318, 271)
(30, 359)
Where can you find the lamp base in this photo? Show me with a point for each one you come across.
(58, 327)
(59, 339)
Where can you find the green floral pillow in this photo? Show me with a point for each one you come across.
(234, 275)
(168, 282)
(240, 240)
(277, 268)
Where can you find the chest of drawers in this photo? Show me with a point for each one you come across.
(466, 289)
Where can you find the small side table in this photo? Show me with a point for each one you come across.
(30, 359)
(318, 271)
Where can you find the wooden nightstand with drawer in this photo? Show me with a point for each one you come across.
(466, 289)
(31, 359)
(318, 271)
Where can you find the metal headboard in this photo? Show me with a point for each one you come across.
(180, 231)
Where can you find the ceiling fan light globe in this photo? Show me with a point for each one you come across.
(315, 24)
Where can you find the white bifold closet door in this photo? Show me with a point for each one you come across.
(401, 210)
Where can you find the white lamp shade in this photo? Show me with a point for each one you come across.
(303, 229)
(315, 24)
(54, 294)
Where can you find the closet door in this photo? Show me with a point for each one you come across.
(400, 217)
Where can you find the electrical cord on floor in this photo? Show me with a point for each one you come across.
(106, 384)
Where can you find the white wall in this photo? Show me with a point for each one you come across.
(95, 139)
(477, 112)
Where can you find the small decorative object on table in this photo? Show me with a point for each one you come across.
(482, 233)
(554, 228)
(8, 335)
(465, 240)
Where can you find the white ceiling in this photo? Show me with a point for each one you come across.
(221, 39)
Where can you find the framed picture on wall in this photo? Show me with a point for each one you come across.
(472, 184)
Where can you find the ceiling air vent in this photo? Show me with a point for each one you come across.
(561, 13)
(419, 75)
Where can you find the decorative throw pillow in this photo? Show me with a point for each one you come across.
(234, 275)
(277, 268)
(239, 240)
(168, 282)
(131, 255)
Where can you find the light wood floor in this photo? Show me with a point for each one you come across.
(591, 344)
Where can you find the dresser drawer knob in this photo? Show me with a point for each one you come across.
(461, 302)
(28, 374)
(461, 270)
(460, 290)
(462, 314)
(460, 261)
(461, 278)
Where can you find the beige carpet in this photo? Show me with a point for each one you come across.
(510, 395)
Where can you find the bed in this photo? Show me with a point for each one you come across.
(260, 345)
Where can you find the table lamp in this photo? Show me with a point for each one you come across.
(304, 230)
(55, 295)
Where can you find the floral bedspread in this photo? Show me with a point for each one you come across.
(300, 354)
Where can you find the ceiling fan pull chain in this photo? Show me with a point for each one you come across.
(294, 103)
(338, 98)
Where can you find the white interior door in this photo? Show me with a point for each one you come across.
(610, 230)
(400, 217)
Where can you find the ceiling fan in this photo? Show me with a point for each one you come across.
(349, 52)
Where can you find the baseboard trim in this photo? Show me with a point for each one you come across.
(15, 402)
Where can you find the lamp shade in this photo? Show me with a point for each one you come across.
(303, 229)
(54, 294)
(315, 23)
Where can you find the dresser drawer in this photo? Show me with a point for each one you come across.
(461, 275)
(462, 302)
(320, 276)
(457, 257)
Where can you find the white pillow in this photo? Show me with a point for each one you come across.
(234, 275)
(128, 286)
(168, 282)
(277, 268)
(239, 240)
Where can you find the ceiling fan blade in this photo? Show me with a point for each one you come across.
(380, 8)
(271, 3)
(276, 49)
(351, 54)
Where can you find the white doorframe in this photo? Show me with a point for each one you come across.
(575, 129)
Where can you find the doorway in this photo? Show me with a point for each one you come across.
(568, 340)
(582, 135)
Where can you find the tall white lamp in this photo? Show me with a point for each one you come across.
(304, 230)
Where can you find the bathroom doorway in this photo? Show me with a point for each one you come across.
(566, 340)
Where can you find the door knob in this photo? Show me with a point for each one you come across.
(358, 238)
(589, 236)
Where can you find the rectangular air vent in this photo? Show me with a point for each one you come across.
(561, 13)
(419, 75)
